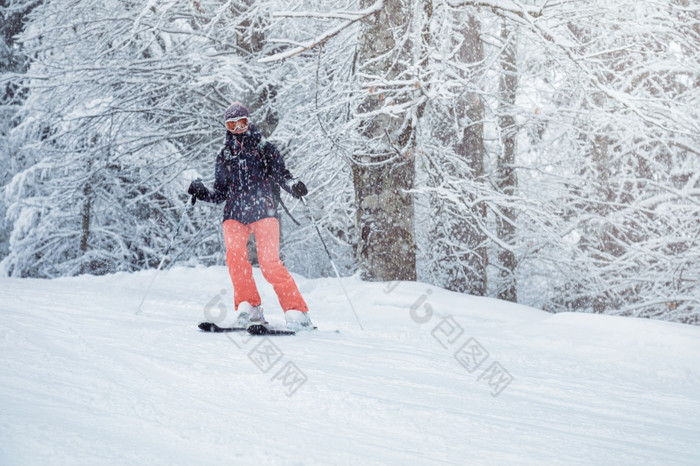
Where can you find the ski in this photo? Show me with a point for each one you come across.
(212, 327)
(253, 329)
(262, 329)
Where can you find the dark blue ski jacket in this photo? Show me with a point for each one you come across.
(247, 172)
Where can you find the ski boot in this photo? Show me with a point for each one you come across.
(298, 321)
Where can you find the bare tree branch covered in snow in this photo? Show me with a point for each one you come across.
(349, 20)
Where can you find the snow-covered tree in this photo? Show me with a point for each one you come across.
(618, 144)
(455, 154)
(383, 163)
(122, 98)
(12, 63)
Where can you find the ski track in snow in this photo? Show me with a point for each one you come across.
(85, 380)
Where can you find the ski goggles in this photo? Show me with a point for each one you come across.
(237, 125)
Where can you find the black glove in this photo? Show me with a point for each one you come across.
(198, 190)
(299, 190)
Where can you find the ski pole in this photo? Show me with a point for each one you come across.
(167, 251)
(335, 269)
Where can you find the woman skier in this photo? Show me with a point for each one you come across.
(247, 176)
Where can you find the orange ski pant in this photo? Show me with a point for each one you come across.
(267, 243)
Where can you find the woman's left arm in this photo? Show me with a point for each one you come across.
(277, 168)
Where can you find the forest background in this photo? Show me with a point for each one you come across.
(540, 152)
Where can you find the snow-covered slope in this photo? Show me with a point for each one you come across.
(434, 378)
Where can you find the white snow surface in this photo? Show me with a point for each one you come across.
(435, 377)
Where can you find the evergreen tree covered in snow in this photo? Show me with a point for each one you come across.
(12, 63)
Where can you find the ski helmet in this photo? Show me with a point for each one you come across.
(235, 112)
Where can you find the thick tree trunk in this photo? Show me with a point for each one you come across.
(386, 249)
(384, 172)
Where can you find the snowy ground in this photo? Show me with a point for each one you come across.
(434, 378)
